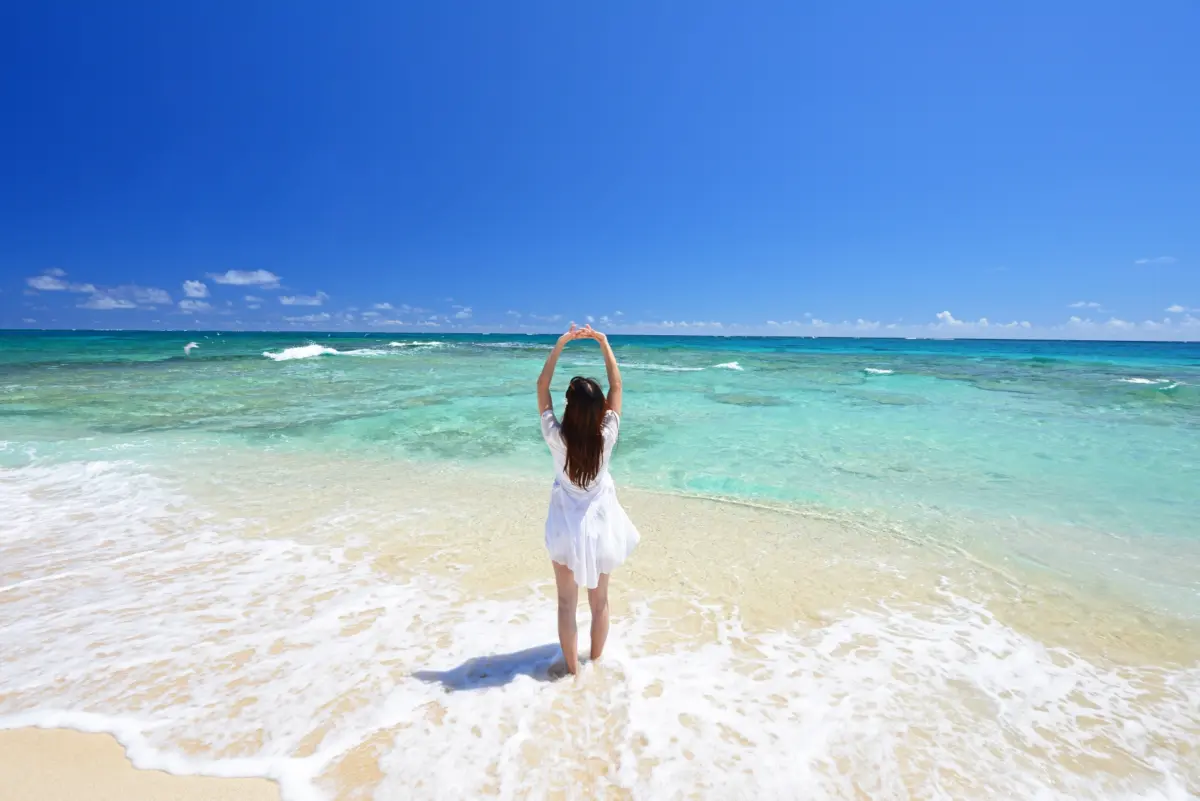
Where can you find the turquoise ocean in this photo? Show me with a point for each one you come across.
(871, 567)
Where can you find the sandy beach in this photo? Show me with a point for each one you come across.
(66, 765)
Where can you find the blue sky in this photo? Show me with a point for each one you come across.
(769, 167)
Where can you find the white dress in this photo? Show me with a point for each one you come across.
(586, 529)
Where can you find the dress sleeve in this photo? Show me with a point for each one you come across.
(612, 423)
(551, 430)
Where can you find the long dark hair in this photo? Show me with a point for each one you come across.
(581, 430)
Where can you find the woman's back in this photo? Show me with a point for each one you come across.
(552, 433)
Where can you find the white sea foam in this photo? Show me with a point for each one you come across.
(727, 366)
(1138, 380)
(299, 352)
(277, 659)
(417, 344)
(877, 371)
(513, 345)
(363, 352)
(314, 350)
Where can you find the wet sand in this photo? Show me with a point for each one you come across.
(66, 765)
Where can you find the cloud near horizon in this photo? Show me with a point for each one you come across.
(51, 280)
(260, 278)
(195, 289)
(304, 300)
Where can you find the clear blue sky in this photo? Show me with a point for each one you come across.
(717, 162)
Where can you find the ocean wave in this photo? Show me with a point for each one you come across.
(513, 345)
(877, 371)
(417, 344)
(727, 366)
(314, 350)
(1138, 380)
(665, 368)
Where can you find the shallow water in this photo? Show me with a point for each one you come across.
(321, 561)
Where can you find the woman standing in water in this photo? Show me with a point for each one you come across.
(588, 534)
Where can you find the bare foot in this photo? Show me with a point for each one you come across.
(558, 670)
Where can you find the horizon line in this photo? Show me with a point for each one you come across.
(689, 335)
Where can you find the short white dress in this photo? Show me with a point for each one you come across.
(586, 529)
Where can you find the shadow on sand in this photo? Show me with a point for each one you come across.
(497, 670)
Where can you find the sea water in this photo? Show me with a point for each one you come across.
(904, 569)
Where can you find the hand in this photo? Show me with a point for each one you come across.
(587, 332)
(572, 333)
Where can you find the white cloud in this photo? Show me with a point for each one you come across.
(192, 306)
(309, 318)
(1177, 309)
(512, 313)
(304, 300)
(147, 295)
(1084, 304)
(28, 320)
(263, 278)
(195, 289)
(553, 318)
(464, 313)
(104, 302)
(128, 296)
(370, 314)
(1122, 324)
(384, 306)
(254, 306)
(252, 299)
(590, 319)
(52, 281)
(866, 325)
(948, 318)
(1157, 260)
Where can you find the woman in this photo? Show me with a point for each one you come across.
(588, 534)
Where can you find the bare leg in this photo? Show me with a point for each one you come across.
(568, 600)
(598, 601)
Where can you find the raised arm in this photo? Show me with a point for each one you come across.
(610, 367)
(543, 382)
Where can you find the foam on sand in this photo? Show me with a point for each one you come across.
(128, 607)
